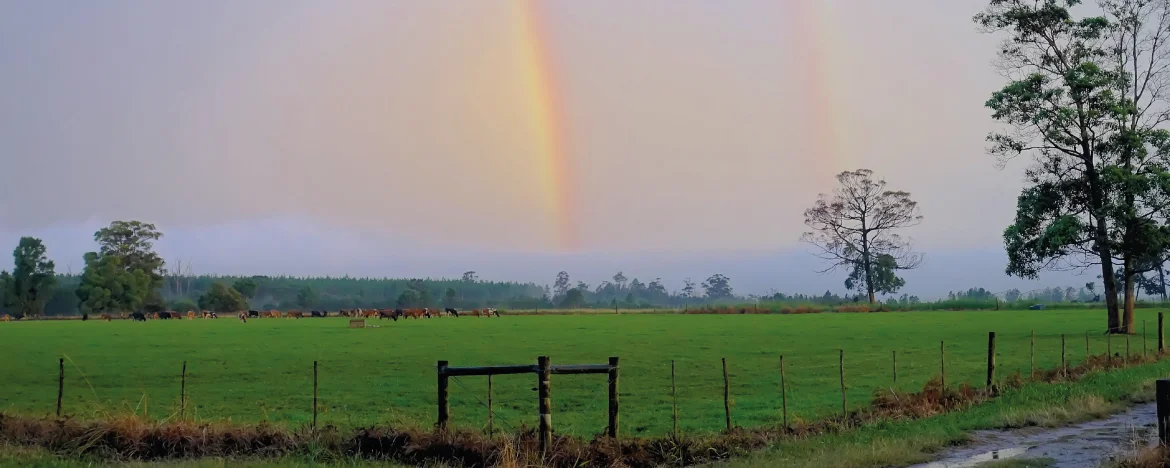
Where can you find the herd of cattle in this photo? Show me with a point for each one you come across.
(393, 314)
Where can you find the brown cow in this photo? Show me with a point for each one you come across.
(274, 313)
(154, 315)
(176, 315)
(6, 318)
(206, 314)
(105, 317)
(368, 313)
(125, 316)
(294, 314)
(190, 315)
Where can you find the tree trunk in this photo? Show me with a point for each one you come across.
(1101, 240)
(1162, 278)
(1130, 298)
(868, 265)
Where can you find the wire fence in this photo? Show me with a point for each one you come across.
(692, 394)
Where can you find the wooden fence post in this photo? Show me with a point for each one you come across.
(1161, 335)
(942, 358)
(990, 359)
(60, 384)
(1087, 353)
(844, 401)
(726, 396)
(545, 394)
(673, 399)
(183, 392)
(895, 368)
(1109, 346)
(1162, 396)
(613, 397)
(783, 394)
(444, 410)
(491, 411)
(1032, 357)
(1063, 366)
(314, 395)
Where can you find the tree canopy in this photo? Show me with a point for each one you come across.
(31, 283)
(856, 228)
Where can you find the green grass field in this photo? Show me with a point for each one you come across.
(262, 370)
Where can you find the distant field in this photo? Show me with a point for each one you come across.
(262, 370)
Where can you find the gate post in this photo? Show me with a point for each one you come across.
(544, 375)
(613, 397)
(444, 413)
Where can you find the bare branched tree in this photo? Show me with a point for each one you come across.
(856, 225)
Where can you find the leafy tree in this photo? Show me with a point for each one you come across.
(223, 299)
(32, 279)
(133, 243)
(106, 285)
(154, 302)
(246, 287)
(450, 297)
(619, 280)
(306, 297)
(1012, 295)
(855, 228)
(574, 298)
(885, 281)
(470, 277)
(1085, 100)
(561, 286)
(718, 287)
(656, 290)
(408, 298)
(7, 296)
(688, 290)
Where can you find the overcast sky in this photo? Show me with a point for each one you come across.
(393, 137)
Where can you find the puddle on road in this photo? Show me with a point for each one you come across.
(1085, 444)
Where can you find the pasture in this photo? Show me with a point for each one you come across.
(262, 370)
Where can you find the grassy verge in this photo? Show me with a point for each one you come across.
(900, 443)
(898, 430)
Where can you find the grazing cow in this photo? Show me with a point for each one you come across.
(274, 313)
(190, 315)
(17, 316)
(163, 316)
(319, 313)
(140, 317)
(294, 314)
(176, 315)
(106, 317)
(124, 316)
(452, 312)
(243, 316)
(417, 313)
(5, 318)
(154, 316)
(84, 317)
(254, 313)
(369, 313)
(387, 313)
(491, 311)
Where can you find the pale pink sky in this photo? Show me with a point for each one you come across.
(690, 124)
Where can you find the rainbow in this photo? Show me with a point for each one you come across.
(821, 66)
(543, 103)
